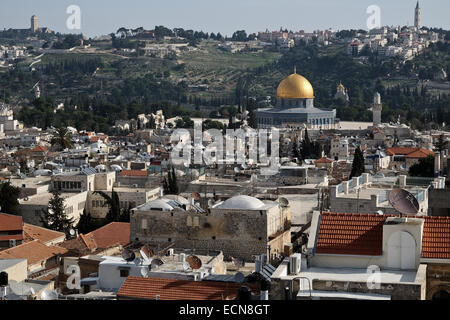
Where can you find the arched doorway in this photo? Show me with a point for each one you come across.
(441, 295)
(401, 251)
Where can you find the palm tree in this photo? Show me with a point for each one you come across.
(62, 138)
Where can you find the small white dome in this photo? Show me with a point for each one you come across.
(158, 204)
(242, 203)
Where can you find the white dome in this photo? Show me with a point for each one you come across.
(242, 203)
(158, 204)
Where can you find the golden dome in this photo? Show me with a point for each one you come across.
(295, 86)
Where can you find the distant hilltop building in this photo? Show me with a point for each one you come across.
(417, 16)
(34, 24)
(341, 93)
(295, 107)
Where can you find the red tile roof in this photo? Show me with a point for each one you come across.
(114, 233)
(362, 234)
(409, 152)
(34, 251)
(436, 238)
(170, 289)
(324, 160)
(9, 222)
(44, 235)
(39, 149)
(134, 173)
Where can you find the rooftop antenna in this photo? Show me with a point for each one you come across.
(404, 202)
(295, 69)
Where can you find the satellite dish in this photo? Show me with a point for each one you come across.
(244, 166)
(156, 263)
(146, 252)
(403, 201)
(284, 202)
(72, 232)
(49, 295)
(237, 170)
(128, 255)
(194, 262)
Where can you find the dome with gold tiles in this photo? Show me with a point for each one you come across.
(295, 86)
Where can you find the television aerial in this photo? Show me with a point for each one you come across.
(128, 255)
(194, 262)
(403, 201)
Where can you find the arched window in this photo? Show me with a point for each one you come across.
(401, 251)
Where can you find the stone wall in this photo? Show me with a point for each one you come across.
(241, 234)
(438, 279)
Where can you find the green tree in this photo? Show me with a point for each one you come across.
(170, 184)
(295, 149)
(440, 144)
(85, 223)
(113, 203)
(9, 196)
(358, 164)
(62, 139)
(55, 216)
(424, 168)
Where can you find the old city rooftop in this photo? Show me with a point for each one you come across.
(362, 234)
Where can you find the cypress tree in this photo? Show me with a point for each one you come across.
(358, 164)
(55, 217)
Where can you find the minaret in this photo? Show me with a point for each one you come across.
(376, 109)
(417, 16)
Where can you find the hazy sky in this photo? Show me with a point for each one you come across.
(226, 16)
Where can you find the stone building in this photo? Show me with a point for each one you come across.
(241, 226)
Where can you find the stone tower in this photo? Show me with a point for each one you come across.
(34, 24)
(417, 16)
(376, 109)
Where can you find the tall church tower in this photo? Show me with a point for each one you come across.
(376, 109)
(417, 16)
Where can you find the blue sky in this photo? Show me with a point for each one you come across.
(105, 16)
